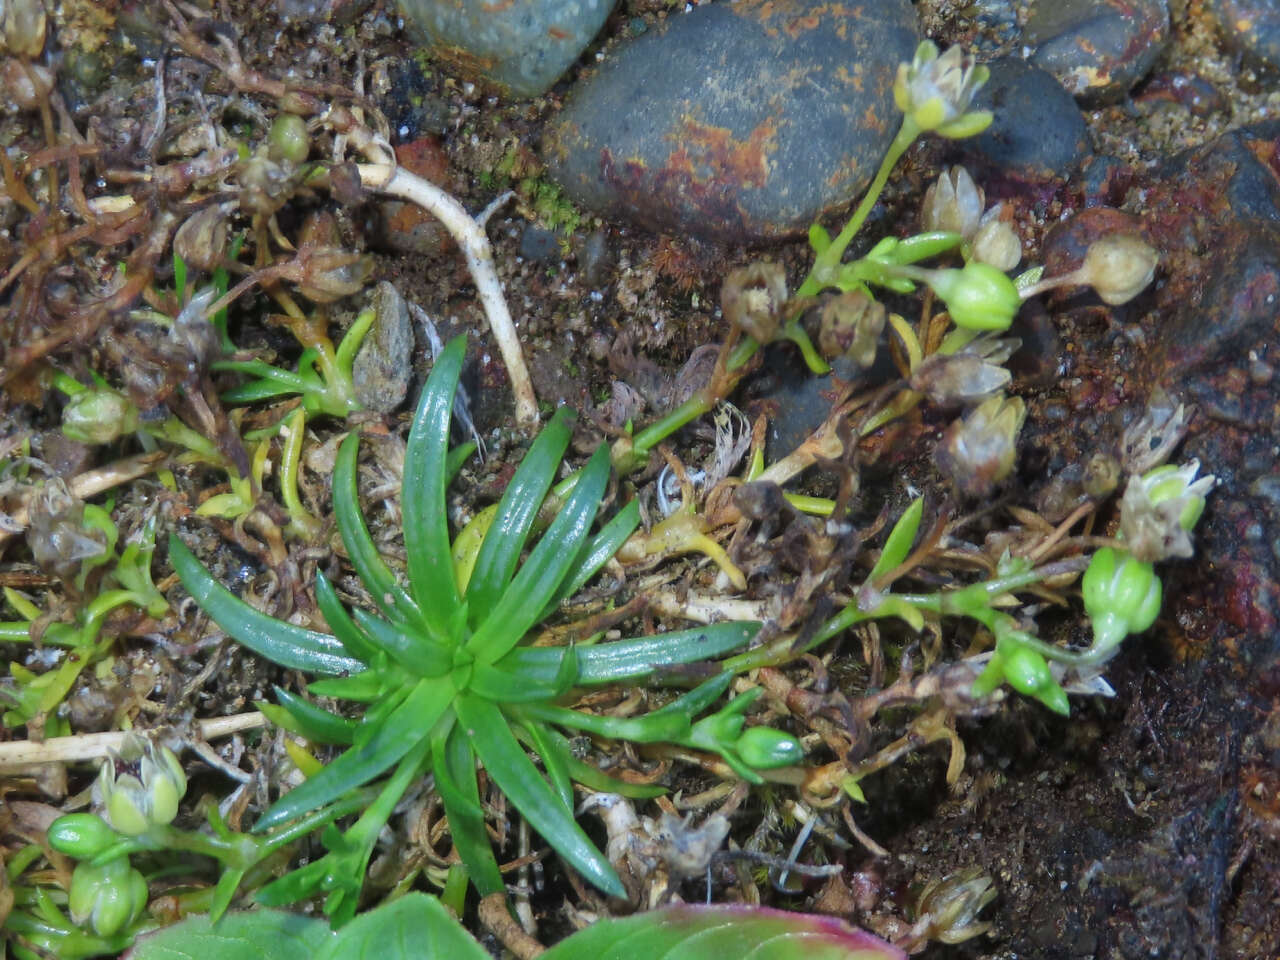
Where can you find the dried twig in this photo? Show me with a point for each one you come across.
(94, 746)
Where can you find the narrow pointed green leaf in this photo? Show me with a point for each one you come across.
(513, 771)
(340, 622)
(284, 643)
(898, 544)
(636, 659)
(516, 687)
(555, 759)
(517, 510)
(597, 551)
(414, 651)
(593, 777)
(308, 720)
(392, 599)
(426, 524)
(454, 764)
(458, 457)
(223, 892)
(545, 569)
(397, 736)
(361, 687)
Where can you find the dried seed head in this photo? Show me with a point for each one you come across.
(950, 906)
(23, 23)
(978, 451)
(995, 242)
(1101, 476)
(1160, 508)
(202, 240)
(329, 274)
(1118, 267)
(57, 535)
(753, 298)
(851, 325)
(960, 378)
(1148, 441)
(953, 203)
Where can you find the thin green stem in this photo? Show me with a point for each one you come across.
(827, 263)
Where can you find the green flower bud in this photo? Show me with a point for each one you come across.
(98, 416)
(1121, 595)
(978, 297)
(108, 898)
(141, 787)
(765, 748)
(81, 835)
(288, 141)
(1028, 673)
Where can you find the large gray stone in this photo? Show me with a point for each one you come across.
(737, 122)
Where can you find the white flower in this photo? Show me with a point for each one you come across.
(935, 91)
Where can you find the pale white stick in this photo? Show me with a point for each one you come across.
(94, 746)
(469, 235)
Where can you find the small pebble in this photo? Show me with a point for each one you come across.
(1250, 27)
(520, 48)
(1098, 49)
(384, 364)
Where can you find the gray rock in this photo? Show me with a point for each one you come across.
(1038, 132)
(521, 48)
(1098, 49)
(1250, 27)
(384, 364)
(736, 122)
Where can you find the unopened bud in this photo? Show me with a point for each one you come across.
(978, 297)
(106, 898)
(81, 835)
(979, 450)
(98, 415)
(288, 141)
(996, 243)
(851, 325)
(1121, 595)
(764, 748)
(953, 203)
(753, 298)
(1118, 267)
